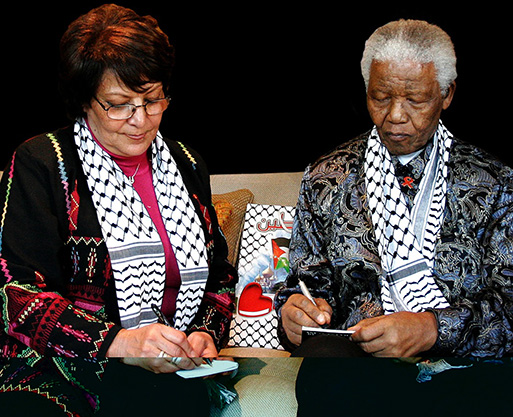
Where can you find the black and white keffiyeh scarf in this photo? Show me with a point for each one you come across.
(406, 239)
(133, 242)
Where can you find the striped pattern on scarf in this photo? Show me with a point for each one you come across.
(134, 245)
(406, 240)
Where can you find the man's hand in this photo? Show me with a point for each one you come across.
(299, 311)
(396, 335)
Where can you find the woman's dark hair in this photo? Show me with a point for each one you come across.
(113, 38)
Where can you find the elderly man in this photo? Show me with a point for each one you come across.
(404, 235)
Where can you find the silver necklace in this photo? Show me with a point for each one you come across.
(131, 179)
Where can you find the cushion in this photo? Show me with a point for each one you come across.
(230, 209)
(280, 188)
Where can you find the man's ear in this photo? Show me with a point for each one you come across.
(449, 96)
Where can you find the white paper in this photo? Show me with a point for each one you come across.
(203, 370)
(320, 330)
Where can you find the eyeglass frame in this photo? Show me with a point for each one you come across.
(133, 106)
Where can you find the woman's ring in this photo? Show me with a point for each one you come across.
(162, 354)
(176, 361)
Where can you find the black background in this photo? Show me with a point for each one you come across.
(265, 86)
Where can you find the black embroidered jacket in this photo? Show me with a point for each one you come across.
(57, 294)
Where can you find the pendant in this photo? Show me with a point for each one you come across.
(131, 179)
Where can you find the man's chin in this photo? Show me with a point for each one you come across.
(401, 144)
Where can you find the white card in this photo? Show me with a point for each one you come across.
(218, 367)
(319, 330)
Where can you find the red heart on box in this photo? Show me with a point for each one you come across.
(252, 303)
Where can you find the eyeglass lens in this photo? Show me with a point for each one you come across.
(125, 111)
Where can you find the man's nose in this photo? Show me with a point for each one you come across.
(397, 112)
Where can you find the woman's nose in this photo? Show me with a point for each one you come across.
(138, 117)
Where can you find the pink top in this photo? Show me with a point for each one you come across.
(143, 185)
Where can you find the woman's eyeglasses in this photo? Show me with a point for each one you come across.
(126, 111)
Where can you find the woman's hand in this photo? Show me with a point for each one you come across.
(165, 365)
(203, 344)
(299, 311)
(142, 347)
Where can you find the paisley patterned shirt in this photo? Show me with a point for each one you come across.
(334, 250)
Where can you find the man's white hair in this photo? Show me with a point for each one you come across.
(413, 40)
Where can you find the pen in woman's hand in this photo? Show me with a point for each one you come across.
(160, 316)
(163, 320)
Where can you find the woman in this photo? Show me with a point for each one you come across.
(101, 222)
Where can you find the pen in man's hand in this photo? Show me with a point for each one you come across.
(306, 293)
